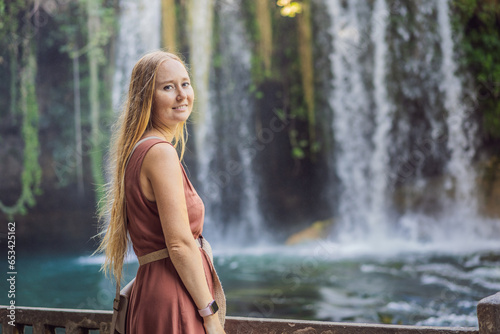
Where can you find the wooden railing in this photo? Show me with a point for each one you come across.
(47, 320)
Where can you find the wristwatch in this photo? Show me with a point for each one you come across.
(210, 309)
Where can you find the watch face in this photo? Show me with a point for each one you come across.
(214, 307)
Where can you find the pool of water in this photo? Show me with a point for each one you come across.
(422, 285)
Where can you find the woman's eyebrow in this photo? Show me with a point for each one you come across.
(165, 82)
(172, 80)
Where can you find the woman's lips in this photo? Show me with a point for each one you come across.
(181, 108)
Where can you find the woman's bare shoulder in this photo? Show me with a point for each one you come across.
(160, 156)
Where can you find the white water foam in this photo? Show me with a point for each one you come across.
(333, 250)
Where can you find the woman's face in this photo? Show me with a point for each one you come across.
(173, 95)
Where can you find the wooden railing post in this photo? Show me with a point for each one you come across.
(73, 328)
(40, 328)
(488, 314)
(8, 329)
(104, 328)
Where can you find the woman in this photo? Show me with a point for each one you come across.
(152, 198)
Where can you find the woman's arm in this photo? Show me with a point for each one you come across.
(162, 169)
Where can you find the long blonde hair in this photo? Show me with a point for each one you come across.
(134, 121)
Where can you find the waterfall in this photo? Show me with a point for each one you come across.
(460, 133)
(229, 186)
(402, 138)
(351, 122)
(398, 129)
(383, 119)
(200, 22)
(140, 26)
(200, 28)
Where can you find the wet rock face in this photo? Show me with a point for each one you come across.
(488, 313)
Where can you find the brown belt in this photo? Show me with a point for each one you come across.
(160, 254)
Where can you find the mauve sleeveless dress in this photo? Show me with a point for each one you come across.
(159, 302)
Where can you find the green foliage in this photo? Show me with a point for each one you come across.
(101, 34)
(2, 14)
(11, 15)
(30, 50)
(32, 173)
(289, 8)
(28, 107)
(479, 23)
(252, 27)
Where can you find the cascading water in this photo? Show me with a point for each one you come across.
(460, 132)
(200, 14)
(459, 139)
(381, 140)
(352, 115)
(398, 123)
(225, 154)
(140, 22)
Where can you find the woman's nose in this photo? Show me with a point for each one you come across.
(181, 94)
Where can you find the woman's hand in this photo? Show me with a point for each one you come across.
(212, 324)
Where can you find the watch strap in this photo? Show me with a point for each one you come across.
(211, 308)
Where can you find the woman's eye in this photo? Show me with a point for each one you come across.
(185, 84)
(168, 87)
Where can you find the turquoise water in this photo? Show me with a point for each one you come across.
(317, 281)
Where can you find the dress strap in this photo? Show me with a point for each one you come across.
(143, 140)
(139, 143)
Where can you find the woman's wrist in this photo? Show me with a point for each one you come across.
(211, 318)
